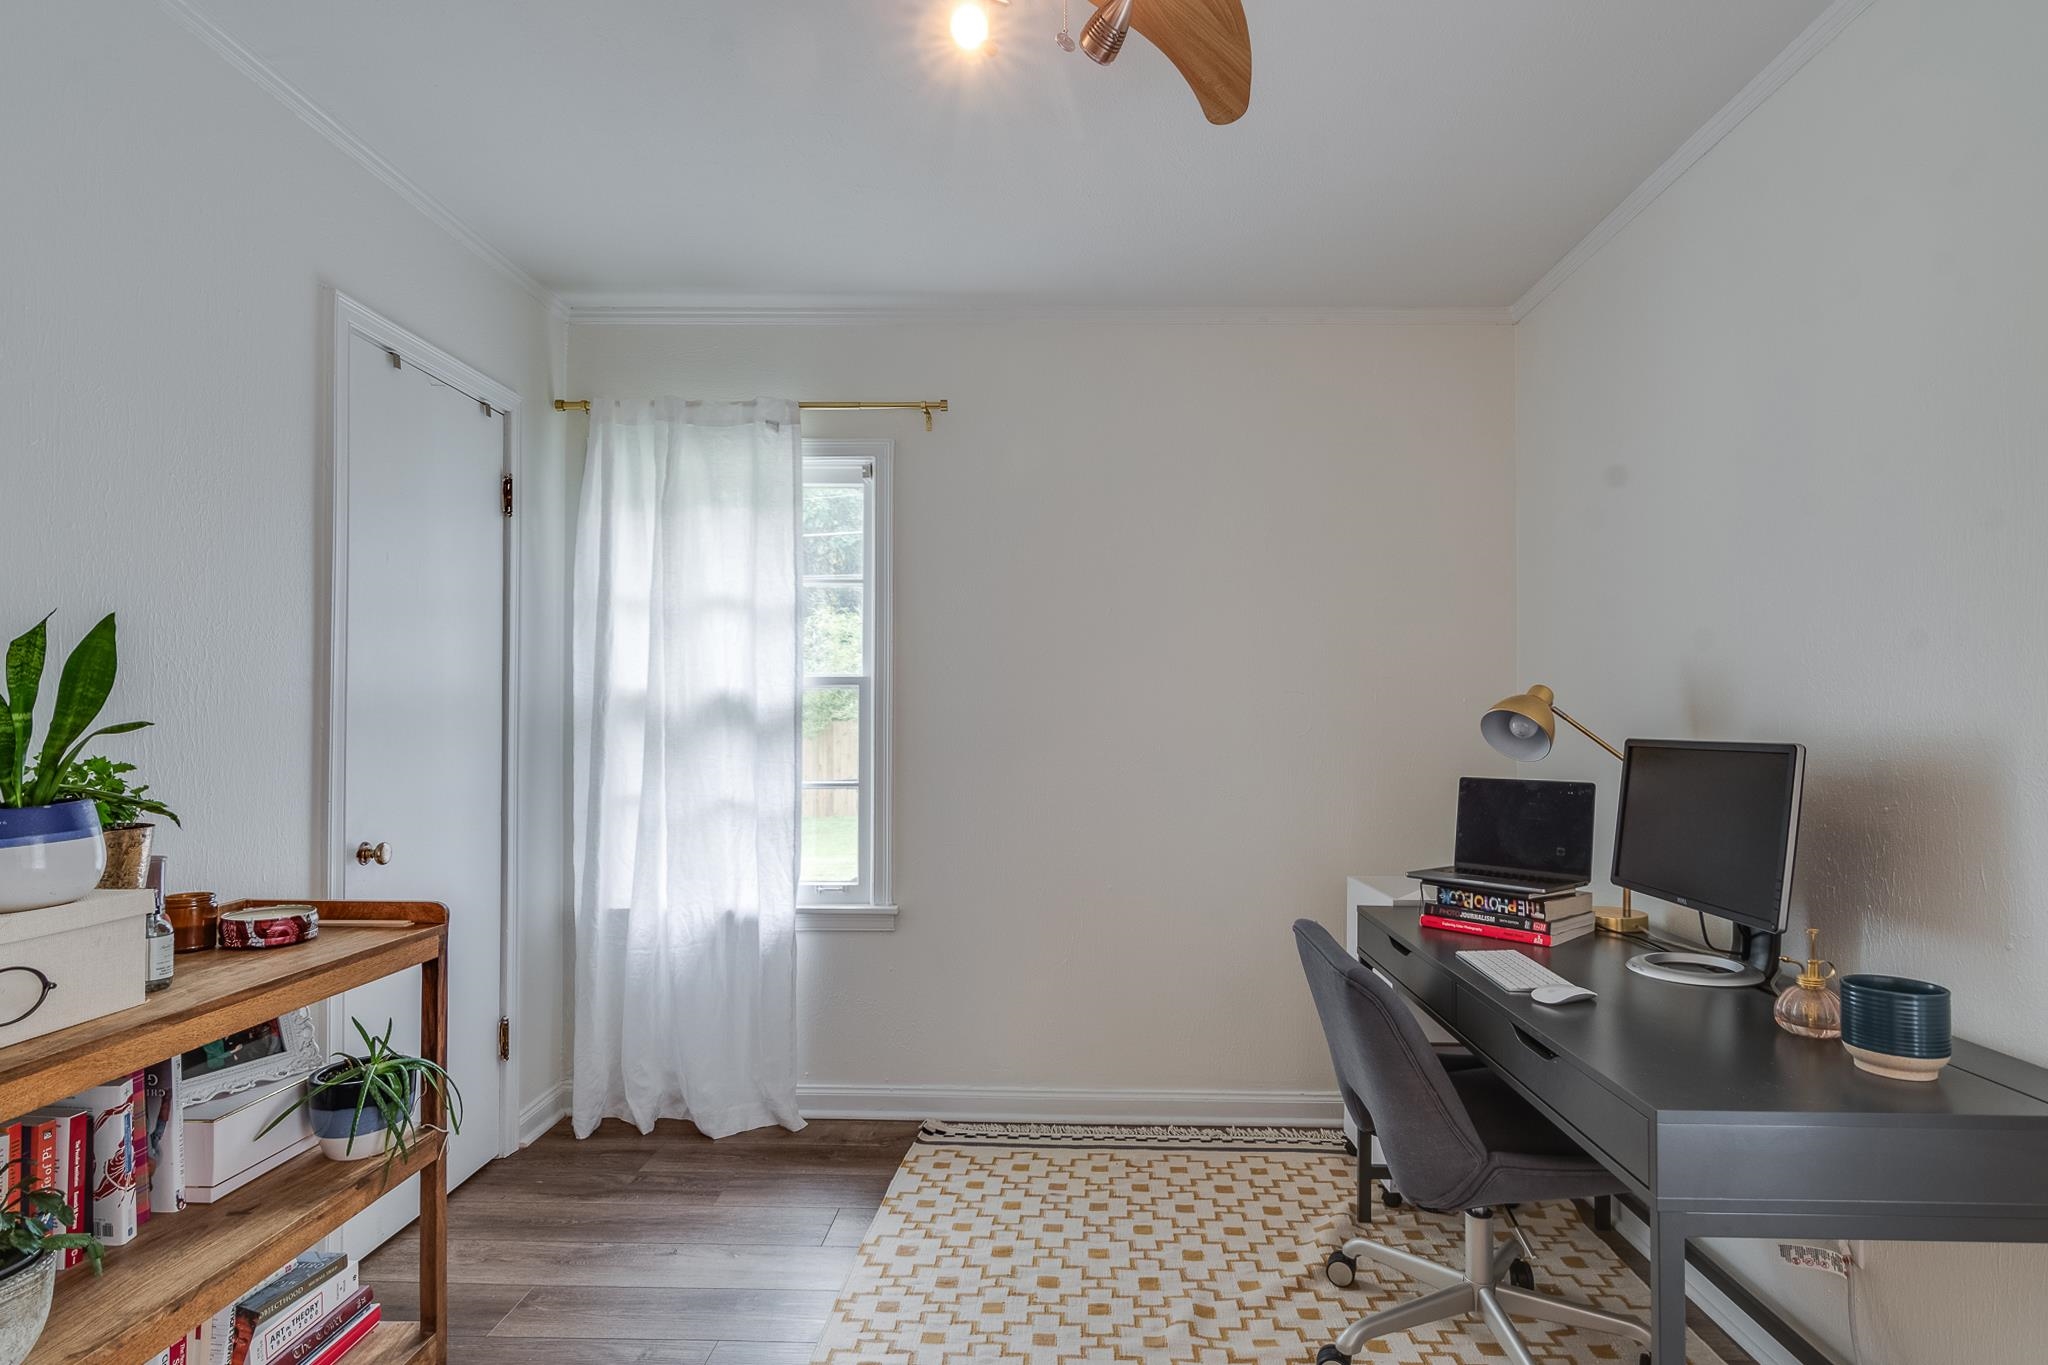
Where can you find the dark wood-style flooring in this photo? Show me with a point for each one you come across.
(667, 1249)
(670, 1249)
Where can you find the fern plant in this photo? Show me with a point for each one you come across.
(87, 680)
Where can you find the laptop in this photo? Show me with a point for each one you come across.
(1527, 838)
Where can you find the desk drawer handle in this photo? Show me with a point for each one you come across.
(1403, 949)
(1541, 1051)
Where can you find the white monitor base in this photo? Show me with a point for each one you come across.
(1695, 969)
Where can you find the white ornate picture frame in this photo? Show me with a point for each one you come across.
(300, 1056)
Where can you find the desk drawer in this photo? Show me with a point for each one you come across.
(1601, 1117)
(1427, 982)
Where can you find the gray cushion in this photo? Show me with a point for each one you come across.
(1453, 1139)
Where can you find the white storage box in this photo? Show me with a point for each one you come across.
(94, 953)
(222, 1149)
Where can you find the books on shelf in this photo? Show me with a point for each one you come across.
(72, 1166)
(272, 1318)
(1549, 939)
(112, 1184)
(311, 1312)
(164, 1088)
(1542, 922)
(350, 1336)
(351, 1320)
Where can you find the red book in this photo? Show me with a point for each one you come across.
(350, 1335)
(74, 1165)
(328, 1329)
(42, 1142)
(1459, 926)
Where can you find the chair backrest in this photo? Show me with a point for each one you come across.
(1391, 1078)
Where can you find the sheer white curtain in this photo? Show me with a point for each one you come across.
(686, 696)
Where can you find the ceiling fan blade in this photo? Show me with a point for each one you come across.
(1209, 43)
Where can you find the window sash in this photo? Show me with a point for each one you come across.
(849, 464)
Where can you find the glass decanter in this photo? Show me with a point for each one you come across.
(1809, 1006)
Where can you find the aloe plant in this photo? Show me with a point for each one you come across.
(387, 1081)
(83, 687)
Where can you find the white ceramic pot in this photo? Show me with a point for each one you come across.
(49, 855)
(25, 1306)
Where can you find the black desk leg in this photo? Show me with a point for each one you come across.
(1667, 1289)
(1603, 1213)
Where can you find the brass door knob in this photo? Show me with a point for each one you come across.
(379, 854)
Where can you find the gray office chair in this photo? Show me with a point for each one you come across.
(1456, 1141)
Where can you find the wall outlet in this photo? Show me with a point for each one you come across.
(1808, 1257)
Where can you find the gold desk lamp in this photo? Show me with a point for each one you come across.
(1523, 727)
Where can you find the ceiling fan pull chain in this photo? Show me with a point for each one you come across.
(1065, 38)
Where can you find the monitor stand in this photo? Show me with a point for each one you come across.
(1754, 960)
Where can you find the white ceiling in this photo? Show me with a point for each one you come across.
(1398, 153)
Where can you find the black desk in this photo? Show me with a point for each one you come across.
(1723, 1124)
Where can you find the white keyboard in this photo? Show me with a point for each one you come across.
(1511, 971)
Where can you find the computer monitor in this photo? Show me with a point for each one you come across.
(1713, 827)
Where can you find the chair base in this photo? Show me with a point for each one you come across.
(1475, 1289)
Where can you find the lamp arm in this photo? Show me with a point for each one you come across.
(1627, 901)
(1567, 718)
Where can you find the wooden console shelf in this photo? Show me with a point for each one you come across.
(186, 1266)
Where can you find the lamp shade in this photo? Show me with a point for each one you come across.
(1523, 726)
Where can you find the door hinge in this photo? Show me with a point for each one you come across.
(505, 495)
(504, 1039)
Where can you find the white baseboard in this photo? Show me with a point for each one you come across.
(1041, 1104)
(544, 1113)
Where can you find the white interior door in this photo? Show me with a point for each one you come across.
(421, 664)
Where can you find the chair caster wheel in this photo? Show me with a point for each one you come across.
(1340, 1270)
(1520, 1274)
(1330, 1355)
(1390, 1199)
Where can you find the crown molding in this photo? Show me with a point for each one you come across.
(825, 310)
(323, 123)
(1822, 31)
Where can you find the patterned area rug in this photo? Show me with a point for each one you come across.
(1054, 1245)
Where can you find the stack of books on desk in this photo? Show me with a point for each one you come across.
(1540, 921)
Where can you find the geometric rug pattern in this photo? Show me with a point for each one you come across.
(1019, 1247)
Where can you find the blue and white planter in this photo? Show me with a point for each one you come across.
(49, 855)
(344, 1134)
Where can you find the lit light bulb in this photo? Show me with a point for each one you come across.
(970, 26)
(1521, 727)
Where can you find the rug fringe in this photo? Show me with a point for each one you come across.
(1195, 1137)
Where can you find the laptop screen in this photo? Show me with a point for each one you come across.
(1514, 825)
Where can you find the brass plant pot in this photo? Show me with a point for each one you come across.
(127, 856)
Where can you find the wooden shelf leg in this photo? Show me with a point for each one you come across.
(433, 1224)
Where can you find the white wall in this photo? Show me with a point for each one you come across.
(1781, 462)
(1177, 648)
(168, 231)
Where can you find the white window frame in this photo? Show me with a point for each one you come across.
(869, 904)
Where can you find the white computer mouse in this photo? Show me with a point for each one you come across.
(1559, 995)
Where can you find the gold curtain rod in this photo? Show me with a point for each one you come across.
(927, 406)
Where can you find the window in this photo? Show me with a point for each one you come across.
(843, 837)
